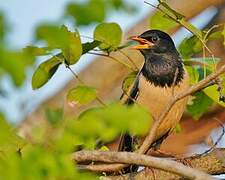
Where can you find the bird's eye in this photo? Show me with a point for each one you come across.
(154, 39)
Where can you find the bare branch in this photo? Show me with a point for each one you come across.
(113, 58)
(138, 159)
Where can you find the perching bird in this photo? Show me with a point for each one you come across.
(162, 76)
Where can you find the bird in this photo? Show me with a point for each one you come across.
(162, 76)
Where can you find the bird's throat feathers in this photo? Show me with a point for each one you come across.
(163, 70)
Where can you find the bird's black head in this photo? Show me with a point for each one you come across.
(154, 41)
(163, 65)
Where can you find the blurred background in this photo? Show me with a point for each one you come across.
(20, 21)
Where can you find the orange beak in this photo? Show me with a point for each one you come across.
(144, 44)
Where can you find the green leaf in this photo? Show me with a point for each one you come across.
(109, 34)
(45, 71)
(5, 130)
(128, 81)
(161, 22)
(172, 11)
(53, 35)
(104, 148)
(86, 13)
(200, 105)
(108, 122)
(81, 95)
(215, 35)
(213, 93)
(35, 51)
(193, 74)
(223, 33)
(54, 116)
(72, 50)
(89, 46)
(198, 64)
(190, 46)
(15, 63)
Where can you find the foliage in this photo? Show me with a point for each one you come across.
(161, 22)
(95, 11)
(15, 63)
(45, 71)
(109, 34)
(200, 105)
(81, 95)
(46, 153)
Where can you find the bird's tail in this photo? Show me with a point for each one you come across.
(126, 143)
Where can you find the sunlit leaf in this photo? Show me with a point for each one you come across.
(213, 93)
(193, 74)
(5, 130)
(194, 66)
(53, 35)
(109, 34)
(15, 64)
(159, 21)
(177, 14)
(86, 13)
(72, 50)
(81, 95)
(35, 51)
(200, 105)
(117, 118)
(104, 148)
(215, 35)
(45, 71)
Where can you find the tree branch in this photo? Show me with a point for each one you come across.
(138, 159)
(209, 163)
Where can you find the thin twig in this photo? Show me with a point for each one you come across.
(138, 159)
(113, 58)
(75, 74)
(129, 58)
(120, 51)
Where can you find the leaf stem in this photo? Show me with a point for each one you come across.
(129, 58)
(113, 58)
